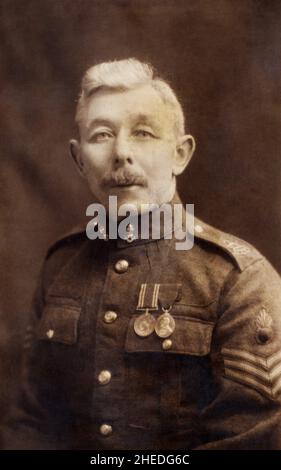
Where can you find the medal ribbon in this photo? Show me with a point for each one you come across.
(148, 297)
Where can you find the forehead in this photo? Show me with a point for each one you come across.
(142, 103)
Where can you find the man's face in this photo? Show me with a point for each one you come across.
(128, 146)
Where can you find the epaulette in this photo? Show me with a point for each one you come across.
(241, 252)
(76, 233)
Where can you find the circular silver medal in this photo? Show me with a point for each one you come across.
(144, 324)
(165, 325)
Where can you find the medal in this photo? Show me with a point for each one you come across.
(165, 324)
(144, 324)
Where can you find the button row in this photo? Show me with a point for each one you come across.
(104, 376)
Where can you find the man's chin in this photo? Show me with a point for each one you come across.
(130, 198)
(136, 199)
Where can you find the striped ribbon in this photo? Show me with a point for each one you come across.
(148, 297)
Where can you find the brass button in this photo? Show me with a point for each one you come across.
(110, 316)
(167, 344)
(104, 377)
(50, 333)
(121, 266)
(105, 429)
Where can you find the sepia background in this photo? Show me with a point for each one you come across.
(222, 57)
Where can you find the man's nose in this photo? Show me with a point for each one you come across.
(122, 152)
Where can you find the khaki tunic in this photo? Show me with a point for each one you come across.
(90, 382)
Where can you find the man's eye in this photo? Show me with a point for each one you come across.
(101, 136)
(143, 134)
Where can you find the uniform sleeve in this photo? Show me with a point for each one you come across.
(246, 357)
(38, 418)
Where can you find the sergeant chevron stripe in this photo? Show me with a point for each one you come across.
(261, 373)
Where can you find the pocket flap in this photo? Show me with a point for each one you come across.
(59, 323)
(191, 337)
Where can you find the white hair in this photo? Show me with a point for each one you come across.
(125, 75)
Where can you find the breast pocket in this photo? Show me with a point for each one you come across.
(53, 361)
(59, 324)
(170, 382)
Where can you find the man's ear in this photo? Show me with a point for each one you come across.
(75, 152)
(184, 151)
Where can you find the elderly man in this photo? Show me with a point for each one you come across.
(134, 344)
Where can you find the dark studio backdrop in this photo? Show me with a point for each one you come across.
(222, 57)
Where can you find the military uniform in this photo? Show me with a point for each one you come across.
(96, 376)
